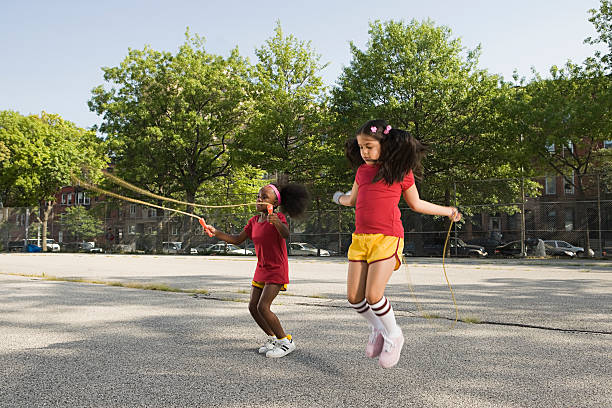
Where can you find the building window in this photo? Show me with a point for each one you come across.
(174, 229)
(60, 236)
(607, 144)
(551, 185)
(495, 224)
(569, 219)
(69, 199)
(63, 199)
(550, 148)
(551, 219)
(79, 198)
(569, 187)
(131, 229)
(152, 212)
(86, 199)
(132, 210)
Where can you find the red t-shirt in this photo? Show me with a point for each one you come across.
(271, 250)
(377, 210)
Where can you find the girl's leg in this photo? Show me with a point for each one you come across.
(259, 319)
(356, 293)
(269, 293)
(379, 274)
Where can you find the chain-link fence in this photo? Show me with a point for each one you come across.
(501, 218)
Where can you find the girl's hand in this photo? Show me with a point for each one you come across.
(211, 229)
(273, 219)
(336, 197)
(455, 215)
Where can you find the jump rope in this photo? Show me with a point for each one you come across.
(450, 287)
(270, 209)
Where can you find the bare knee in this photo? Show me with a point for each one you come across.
(262, 308)
(354, 298)
(373, 297)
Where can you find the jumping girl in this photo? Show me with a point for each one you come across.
(385, 159)
(268, 232)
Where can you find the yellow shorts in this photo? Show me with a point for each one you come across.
(372, 248)
(261, 285)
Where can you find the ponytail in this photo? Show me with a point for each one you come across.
(294, 199)
(400, 152)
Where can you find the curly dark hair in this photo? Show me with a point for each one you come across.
(294, 199)
(400, 152)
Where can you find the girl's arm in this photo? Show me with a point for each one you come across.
(281, 227)
(230, 239)
(349, 200)
(425, 207)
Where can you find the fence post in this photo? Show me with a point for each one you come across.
(523, 249)
(600, 250)
(339, 231)
(455, 224)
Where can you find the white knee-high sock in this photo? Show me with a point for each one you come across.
(363, 308)
(384, 311)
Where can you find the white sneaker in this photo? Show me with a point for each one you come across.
(268, 345)
(281, 348)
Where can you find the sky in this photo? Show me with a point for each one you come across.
(52, 52)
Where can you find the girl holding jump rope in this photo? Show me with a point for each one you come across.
(268, 231)
(385, 159)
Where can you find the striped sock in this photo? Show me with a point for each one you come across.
(384, 312)
(363, 308)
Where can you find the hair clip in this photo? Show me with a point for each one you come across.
(387, 129)
(373, 129)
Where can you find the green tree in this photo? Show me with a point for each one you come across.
(602, 20)
(44, 152)
(567, 118)
(287, 135)
(81, 223)
(419, 78)
(170, 118)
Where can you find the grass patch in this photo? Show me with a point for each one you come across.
(131, 285)
(470, 319)
(243, 291)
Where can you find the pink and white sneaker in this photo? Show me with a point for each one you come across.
(391, 350)
(375, 344)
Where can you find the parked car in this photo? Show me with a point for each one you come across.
(558, 251)
(229, 249)
(513, 248)
(171, 247)
(565, 246)
(409, 249)
(90, 246)
(489, 244)
(202, 249)
(304, 248)
(15, 246)
(455, 247)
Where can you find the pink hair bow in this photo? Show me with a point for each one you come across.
(387, 129)
(373, 129)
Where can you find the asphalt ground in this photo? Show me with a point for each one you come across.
(531, 333)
